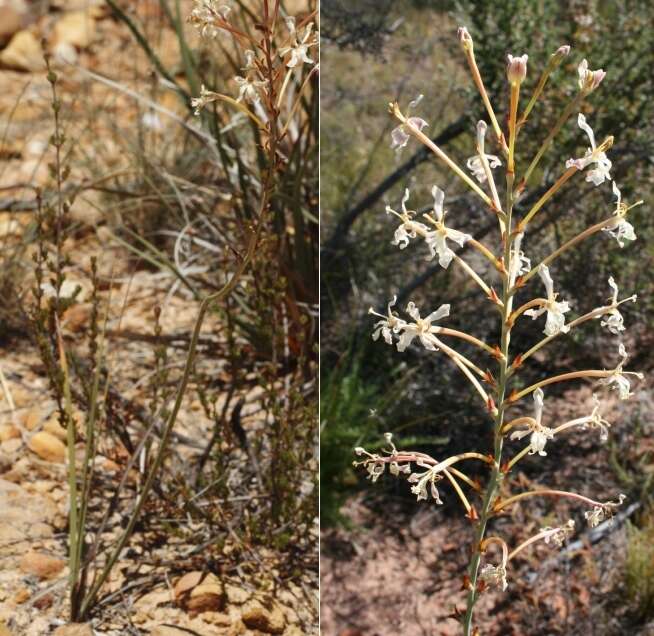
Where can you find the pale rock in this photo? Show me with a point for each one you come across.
(209, 595)
(236, 594)
(53, 427)
(219, 619)
(256, 616)
(12, 20)
(41, 565)
(11, 446)
(23, 53)
(187, 583)
(9, 227)
(76, 28)
(166, 630)
(38, 627)
(293, 630)
(74, 629)
(22, 594)
(48, 447)
(32, 418)
(8, 431)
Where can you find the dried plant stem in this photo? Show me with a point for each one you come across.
(479, 83)
(573, 375)
(560, 182)
(552, 64)
(537, 537)
(471, 272)
(445, 331)
(544, 493)
(422, 138)
(181, 390)
(565, 115)
(593, 229)
(596, 313)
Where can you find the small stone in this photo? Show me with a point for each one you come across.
(187, 583)
(53, 427)
(22, 594)
(219, 619)
(76, 28)
(208, 596)
(74, 629)
(4, 630)
(166, 630)
(236, 595)
(41, 565)
(32, 418)
(48, 447)
(11, 445)
(11, 21)
(23, 53)
(44, 602)
(269, 621)
(8, 431)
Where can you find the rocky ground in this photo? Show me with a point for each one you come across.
(175, 577)
(399, 568)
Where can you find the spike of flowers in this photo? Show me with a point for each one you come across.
(424, 473)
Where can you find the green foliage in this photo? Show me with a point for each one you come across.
(346, 422)
(639, 569)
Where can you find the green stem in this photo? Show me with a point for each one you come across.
(495, 478)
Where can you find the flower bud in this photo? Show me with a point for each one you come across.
(562, 51)
(465, 38)
(517, 69)
(481, 134)
(589, 80)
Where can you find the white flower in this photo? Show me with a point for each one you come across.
(520, 264)
(618, 380)
(248, 89)
(299, 48)
(389, 324)
(436, 240)
(475, 166)
(615, 323)
(604, 511)
(400, 136)
(250, 57)
(516, 69)
(539, 433)
(494, 575)
(206, 97)
(593, 155)
(421, 328)
(206, 14)
(555, 321)
(597, 421)
(409, 228)
(421, 480)
(67, 290)
(621, 229)
(594, 516)
(559, 536)
(589, 80)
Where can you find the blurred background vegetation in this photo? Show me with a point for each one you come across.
(384, 51)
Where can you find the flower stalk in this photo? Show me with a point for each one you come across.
(515, 271)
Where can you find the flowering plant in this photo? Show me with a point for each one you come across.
(499, 392)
